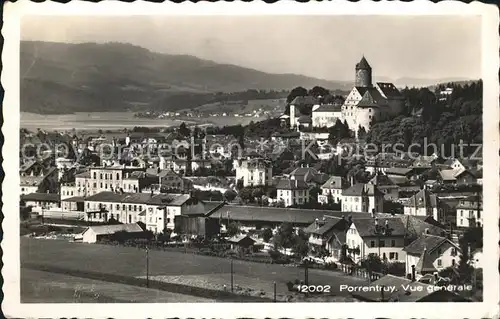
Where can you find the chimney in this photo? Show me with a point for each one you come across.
(412, 272)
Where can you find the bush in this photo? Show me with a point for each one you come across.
(331, 266)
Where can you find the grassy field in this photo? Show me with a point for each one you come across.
(125, 261)
(40, 287)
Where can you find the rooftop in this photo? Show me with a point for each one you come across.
(41, 197)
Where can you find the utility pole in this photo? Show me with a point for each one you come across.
(232, 276)
(147, 267)
(275, 291)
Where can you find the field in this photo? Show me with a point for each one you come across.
(167, 266)
(95, 121)
(41, 286)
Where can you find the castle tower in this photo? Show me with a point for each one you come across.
(363, 74)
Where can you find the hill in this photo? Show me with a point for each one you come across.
(66, 78)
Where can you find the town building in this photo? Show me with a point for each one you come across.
(425, 203)
(157, 211)
(331, 191)
(384, 237)
(367, 103)
(365, 198)
(430, 254)
(253, 172)
(42, 181)
(470, 212)
(292, 192)
(326, 115)
(328, 233)
(94, 234)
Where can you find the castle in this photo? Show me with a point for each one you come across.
(365, 104)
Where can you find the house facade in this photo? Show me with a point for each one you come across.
(332, 190)
(253, 172)
(470, 212)
(292, 192)
(384, 237)
(430, 253)
(364, 198)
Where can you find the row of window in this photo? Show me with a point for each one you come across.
(471, 213)
(382, 243)
(134, 208)
(106, 176)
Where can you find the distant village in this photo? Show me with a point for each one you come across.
(409, 213)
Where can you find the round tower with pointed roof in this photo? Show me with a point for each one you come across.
(363, 73)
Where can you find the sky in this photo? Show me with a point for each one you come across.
(326, 47)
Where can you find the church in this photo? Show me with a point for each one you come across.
(365, 104)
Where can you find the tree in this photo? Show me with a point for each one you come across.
(184, 130)
(230, 195)
(246, 194)
(298, 91)
(233, 229)
(319, 91)
(285, 236)
(372, 262)
(300, 247)
(267, 234)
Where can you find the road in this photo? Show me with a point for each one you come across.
(132, 262)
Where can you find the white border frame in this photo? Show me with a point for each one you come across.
(10, 81)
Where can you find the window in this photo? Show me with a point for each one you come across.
(382, 243)
(461, 214)
(461, 221)
(478, 214)
(117, 206)
(135, 208)
(440, 262)
(123, 206)
(370, 117)
(453, 251)
(95, 175)
(140, 208)
(101, 185)
(372, 243)
(95, 185)
(453, 262)
(393, 243)
(117, 176)
(106, 176)
(370, 110)
(100, 176)
(129, 219)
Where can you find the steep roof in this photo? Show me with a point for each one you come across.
(327, 224)
(304, 100)
(292, 184)
(41, 197)
(427, 241)
(334, 182)
(329, 108)
(361, 189)
(363, 64)
(305, 119)
(370, 227)
(424, 198)
(389, 90)
(398, 171)
(424, 264)
(372, 98)
(111, 229)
